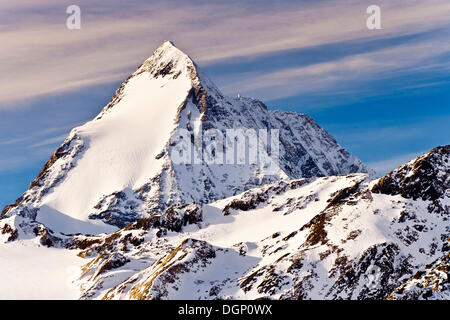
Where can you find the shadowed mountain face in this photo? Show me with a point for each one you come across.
(120, 167)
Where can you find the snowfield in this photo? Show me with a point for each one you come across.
(32, 271)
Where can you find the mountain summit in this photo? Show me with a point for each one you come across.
(120, 166)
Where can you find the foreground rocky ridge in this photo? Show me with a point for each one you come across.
(334, 237)
(430, 283)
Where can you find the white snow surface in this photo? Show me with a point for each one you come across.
(31, 271)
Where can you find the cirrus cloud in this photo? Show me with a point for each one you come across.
(40, 56)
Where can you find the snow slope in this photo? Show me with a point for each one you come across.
(31, 271)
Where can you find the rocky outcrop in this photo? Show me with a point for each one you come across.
(427, 177)
(165, 274)
(431, 283)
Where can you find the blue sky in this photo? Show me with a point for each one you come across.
(383, 94)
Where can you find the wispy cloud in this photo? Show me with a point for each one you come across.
(345, 74)
(42, 57)
(12, 161)
(36, 134)
(27, 150)
(49, 141)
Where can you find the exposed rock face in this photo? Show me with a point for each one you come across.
(20, 227)
(165, 275)
(427, 177)
(119, 167)
(432, 283)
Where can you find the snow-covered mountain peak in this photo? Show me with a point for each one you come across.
(168, 66)
(166, 60)
(170, 62)
(121, 167)
(167, 46)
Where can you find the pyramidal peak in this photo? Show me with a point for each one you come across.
(166, 64)
(166, 51)
(123, 165)
(167, 60)
(167, 44)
